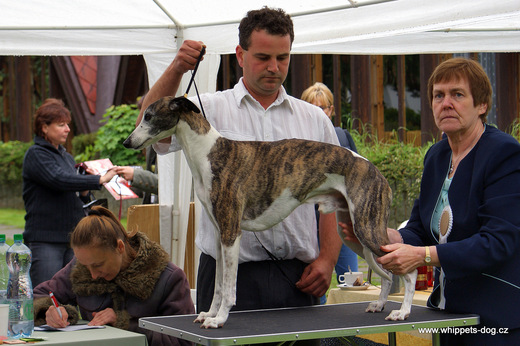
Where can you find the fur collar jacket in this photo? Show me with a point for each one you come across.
(150, 286)
(137, 280)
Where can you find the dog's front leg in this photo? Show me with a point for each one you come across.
(409, 290)
(217, 292)
(228, 281)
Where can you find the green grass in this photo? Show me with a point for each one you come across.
(15, 217)
(12, 217)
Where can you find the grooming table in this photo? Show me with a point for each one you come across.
(303, 323)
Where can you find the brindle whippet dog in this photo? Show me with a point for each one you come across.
(269, 180)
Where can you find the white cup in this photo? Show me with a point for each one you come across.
(4, 318)
(349, 278)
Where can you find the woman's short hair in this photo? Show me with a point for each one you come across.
(51, 111)
(461, 68)
(99, 228)
(318, 92)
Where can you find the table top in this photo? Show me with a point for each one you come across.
(92, 337)
(312, 322)
(338, 296)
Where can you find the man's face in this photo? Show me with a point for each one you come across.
(265, 63)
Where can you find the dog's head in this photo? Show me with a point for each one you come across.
(159, 121)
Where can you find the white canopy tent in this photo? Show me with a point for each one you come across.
(156, 28)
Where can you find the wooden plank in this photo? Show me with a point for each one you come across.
(401, 96)
(144, 218)
(359, 86)
(507, 89)
(336, 76)
(377, 94)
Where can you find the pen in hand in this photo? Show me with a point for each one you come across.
(55, 302)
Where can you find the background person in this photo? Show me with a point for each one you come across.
(114, 279)
(320, 95)
(53, 191)
(466, 221)
(258, 108)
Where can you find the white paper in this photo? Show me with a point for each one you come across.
(71, 328)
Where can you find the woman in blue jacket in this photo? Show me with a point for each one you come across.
(466, 221)
(52, 191)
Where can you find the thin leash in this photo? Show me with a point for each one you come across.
(192, 80)
(275, 260)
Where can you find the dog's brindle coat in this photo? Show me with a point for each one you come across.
(254, 185)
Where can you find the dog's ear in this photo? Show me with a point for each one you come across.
(184, 104)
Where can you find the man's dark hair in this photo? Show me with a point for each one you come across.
(274, 21)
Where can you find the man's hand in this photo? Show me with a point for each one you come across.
(316, 278)
(348, 232)
(125, 172)
(169, 82)
(187, 56)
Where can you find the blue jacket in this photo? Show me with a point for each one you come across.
(481, 259)
(50, 185)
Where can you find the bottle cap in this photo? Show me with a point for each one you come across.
(18, 237)
(2, 238)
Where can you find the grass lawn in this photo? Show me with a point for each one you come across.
(15, 217)
(12, 217)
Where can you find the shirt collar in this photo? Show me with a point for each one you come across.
(242, 95)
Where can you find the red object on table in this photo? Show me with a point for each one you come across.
(429, 276)
(422, 278)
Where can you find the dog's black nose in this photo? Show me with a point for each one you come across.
(127, 143)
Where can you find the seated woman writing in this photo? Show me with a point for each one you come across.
(114, 279)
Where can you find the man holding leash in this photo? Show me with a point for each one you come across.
(283, 266)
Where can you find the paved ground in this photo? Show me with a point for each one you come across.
(9, 231)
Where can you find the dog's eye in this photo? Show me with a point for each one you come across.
(147, 117)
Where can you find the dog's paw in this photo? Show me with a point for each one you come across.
(211, 323)
(398, 315)
(201, 317)
(376, 306)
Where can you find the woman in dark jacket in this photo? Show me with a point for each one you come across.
(466, 221)
(114, 279)
(52, 191)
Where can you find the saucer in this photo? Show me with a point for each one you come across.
(353, 288)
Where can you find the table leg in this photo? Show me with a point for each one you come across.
(436, 339)
(392, 339)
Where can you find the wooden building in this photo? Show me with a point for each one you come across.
(89, 85)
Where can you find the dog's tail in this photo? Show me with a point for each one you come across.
(371, 261)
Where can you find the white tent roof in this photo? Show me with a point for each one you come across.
(119, 27)
(154, 28)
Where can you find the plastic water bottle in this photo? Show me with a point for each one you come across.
(4, 270)
(19, 290)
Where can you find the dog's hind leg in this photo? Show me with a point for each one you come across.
(406, 307)
(227, 284)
